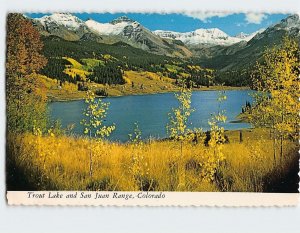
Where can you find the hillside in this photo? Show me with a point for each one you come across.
(83, 52)
(245, 54)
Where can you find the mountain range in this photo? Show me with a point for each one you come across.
(210, 46)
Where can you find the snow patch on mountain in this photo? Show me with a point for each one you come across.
(213, 36)
(247, 37)
(61, 19)
(293, 21)
(116, 27)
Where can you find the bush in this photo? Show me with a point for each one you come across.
(101, 92)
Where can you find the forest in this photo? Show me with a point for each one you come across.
(114, 59)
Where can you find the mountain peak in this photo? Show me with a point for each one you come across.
(248, 36)
(291, 21)
(242, 35)
(122, 19)
(65, 19)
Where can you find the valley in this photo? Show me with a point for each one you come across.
(123, 57)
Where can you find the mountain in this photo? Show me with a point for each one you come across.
(246, 36)
(64, 25)
(213, 36)
(203, 43)
(122, 29)
(136, 35)
(208, 43)
(212, 47)
(243, 55)
(119, 26)
(290, 25)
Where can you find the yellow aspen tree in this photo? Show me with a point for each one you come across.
(276, 105)
(214, 156)
(178, 118)
(177, 127)
(94, 116)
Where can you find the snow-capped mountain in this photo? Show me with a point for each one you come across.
(135, 34)
(246, 36)
(62, 19)
(116, 27)
(64, 25)
(122, 29)
(242, 35)
(213, 36)
(245, 54)
(201, 42)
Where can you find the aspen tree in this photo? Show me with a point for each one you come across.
(94, 114)
(277, 101)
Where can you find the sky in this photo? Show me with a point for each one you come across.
(231, 23)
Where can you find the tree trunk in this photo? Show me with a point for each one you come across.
(281, 148)
(181, 149)
(91, 156)
(274, 147)
(241, 136)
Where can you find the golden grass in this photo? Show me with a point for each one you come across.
(75, 64)
(72, 72)
(62, 163)
(144, 83)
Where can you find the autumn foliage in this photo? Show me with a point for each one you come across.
(23, 61)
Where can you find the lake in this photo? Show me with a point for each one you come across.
(151, 112)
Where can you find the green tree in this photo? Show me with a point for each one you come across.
(276, 79)
(94, 114)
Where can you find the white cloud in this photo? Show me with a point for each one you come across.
(255, 18)
(204, 16)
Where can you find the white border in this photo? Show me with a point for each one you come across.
(182, 199)
(113, 219)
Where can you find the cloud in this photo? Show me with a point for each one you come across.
(204, 16)
(255, 18)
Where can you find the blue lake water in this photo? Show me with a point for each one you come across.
(151, 112)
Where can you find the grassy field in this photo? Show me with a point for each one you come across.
(62, 163)
(136, 82)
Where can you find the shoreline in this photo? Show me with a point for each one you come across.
(214, 88)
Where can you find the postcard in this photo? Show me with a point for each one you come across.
(152, 109)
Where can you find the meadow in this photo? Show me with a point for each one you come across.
(59, 162)
(137, 83)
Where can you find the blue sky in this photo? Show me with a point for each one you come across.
(231, 23)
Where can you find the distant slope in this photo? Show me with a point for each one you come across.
(55, 46)
(243, 55)
(212, 36)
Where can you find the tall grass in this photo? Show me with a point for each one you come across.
(62, 163)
